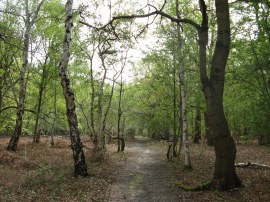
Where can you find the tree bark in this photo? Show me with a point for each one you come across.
(182, 87)
(55, 115)
(175, 137)
(12, 146)
(224, 175)
(40, 95)
(208, 131)
(197, 132)
(99, 139)
(76, 144)
(120, 113)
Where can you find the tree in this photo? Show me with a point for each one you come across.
(9, 63)
(224, 176)
(121, 146)
(76, 144)
(182, 88)
(197, 123)
(12, 146)
(42, 86)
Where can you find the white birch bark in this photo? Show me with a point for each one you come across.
(187, 162)
(12, 146)
(76, 144)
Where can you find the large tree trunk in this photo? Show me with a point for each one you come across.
(208, 131)
(76, 144)
(224, 176)
(12, 146)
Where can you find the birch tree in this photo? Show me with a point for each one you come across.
(29, 21)
(76, 144)
(182, 87)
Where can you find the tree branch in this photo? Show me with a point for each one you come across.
(134, 16)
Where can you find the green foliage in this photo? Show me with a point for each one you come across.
(148, 101)
(247, 100)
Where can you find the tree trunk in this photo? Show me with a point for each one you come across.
(197, 133)
(224, 175)
(208, 131)
(12, 146)
(175, 137)
(55, 115)
(182, 87)
(119, 148)
(98, 152)
(76, 144)
(40, 95)
(93, 94)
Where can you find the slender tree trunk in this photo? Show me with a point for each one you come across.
(100, 136)
(93, 94)
(55, 115)
(76, 144)
(122, 133)
(224, 176)
(197, 124)
(120, 113)
(40, 95)
(174, 111)
(12, 146)
(187, 162)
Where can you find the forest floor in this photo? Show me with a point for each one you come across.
(146, 175)
(142, 173)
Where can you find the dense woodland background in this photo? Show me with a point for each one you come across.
(147, 102)
(118, 95)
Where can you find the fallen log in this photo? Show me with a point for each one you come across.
(251, 164)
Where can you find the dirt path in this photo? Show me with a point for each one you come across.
(144, 177)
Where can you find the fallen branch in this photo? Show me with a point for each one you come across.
(250, 164)
(117, 138)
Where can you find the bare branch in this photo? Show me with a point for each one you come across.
(134, 16)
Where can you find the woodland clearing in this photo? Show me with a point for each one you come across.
(141, 173)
